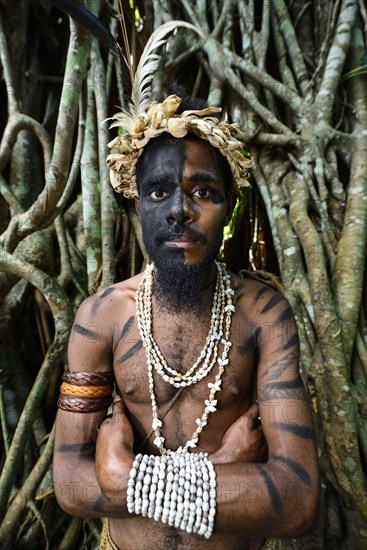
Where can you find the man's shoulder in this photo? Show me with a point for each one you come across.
(106, 300)
(257, 298)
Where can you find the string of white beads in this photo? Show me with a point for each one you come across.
(178, 489)
(222, 305)
(221, 321)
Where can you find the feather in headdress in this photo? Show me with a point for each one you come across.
(91, 23)
(148, 64)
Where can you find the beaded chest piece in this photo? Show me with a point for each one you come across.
(219, 333)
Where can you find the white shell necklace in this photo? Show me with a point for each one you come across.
(221, 320)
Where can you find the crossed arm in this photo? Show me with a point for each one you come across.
(280, 497)
(276, 498)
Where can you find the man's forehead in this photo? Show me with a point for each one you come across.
(174, 158)
(162, 159)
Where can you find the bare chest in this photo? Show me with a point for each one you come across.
(181, 345)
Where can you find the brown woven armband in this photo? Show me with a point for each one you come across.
(73, 390)
(84, 378)
(86, 391)
(84, 404)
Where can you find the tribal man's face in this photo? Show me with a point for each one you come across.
(182, 202)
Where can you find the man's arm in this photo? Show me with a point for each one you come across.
(276, 498)
(93, 454)
(78, 482)
(280, 497)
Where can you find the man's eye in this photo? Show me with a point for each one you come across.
(158, 195)
(202, 193)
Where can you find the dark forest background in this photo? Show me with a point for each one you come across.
(293, 74)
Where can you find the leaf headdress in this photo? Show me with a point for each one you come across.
(144, 120)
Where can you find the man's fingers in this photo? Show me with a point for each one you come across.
(116, 428)
(118, 406)
(253, 414)
(118, 414)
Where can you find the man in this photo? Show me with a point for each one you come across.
(192, 343)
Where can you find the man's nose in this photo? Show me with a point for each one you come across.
(180, 210)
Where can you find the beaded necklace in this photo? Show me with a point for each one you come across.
(221, 319)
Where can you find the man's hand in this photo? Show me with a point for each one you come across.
(244, 441)
(114, 451)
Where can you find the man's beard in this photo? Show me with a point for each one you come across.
(177, 284)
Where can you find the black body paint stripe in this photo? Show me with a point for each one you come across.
(106, 293)
(296, 468)
(290, 384)
(293, 340)
(247, 346)
(97, 303)
(272, 303)
(136, 347)
(291, 389)
(286, 315)
(301, 431)
(274, 495)
(277, 368)
(76, 448)
(260, 292)
(85, 332)
(127, 327)
(268, 394)
(251, 343)
(257, 335)
(125, 330)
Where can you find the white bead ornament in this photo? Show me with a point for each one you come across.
(179, 488)
(187, 511)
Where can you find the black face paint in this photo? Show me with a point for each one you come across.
(164, 171)
(217, 197)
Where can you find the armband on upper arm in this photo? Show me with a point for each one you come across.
(86, 391)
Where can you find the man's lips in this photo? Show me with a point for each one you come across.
(181, 243)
